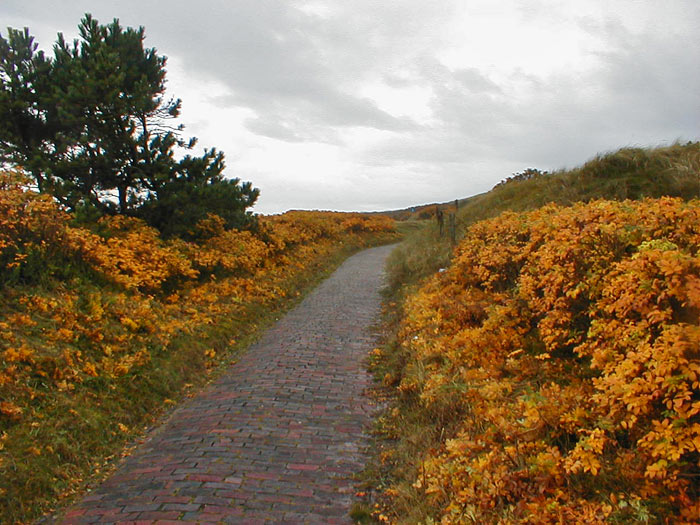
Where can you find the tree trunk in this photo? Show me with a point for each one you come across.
(122, 199)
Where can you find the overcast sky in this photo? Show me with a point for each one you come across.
(381, 104)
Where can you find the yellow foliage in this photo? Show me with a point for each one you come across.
(30, 223)
(572, 337)
(133, 255)
(76, 334)
(10, 410)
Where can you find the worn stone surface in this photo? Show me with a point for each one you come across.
(278, 438)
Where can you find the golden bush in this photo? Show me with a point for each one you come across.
(572, 337)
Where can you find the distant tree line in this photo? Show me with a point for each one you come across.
(527, 174)
(92, 126)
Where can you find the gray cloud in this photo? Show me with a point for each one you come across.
(276, 129)
(294, 70)
(302, 74)
(475, 81)
(288, 66)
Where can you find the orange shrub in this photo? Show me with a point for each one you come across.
(71, 332)
(132, 255)
(571, 336)
(89, 312)
(30, 223)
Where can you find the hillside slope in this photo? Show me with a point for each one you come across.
(549, 371)
(104, 325)
(630, 173)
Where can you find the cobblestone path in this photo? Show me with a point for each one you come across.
(278, 438)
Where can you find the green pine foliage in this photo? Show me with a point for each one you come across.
(94, 129)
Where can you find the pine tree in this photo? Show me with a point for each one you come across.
(94, 129)
(24, 82)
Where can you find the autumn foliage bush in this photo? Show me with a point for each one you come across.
(31, 226)
(86, 310)
(565, 344)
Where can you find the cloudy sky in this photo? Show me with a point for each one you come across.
(381, 104)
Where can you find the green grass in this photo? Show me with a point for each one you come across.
(629, 173)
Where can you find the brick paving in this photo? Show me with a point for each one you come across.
(278, 438)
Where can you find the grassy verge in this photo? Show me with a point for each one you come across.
(404, 431)
(78, 434)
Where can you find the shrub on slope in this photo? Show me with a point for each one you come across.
(102, 326)
(629, 173)
(557, 359)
